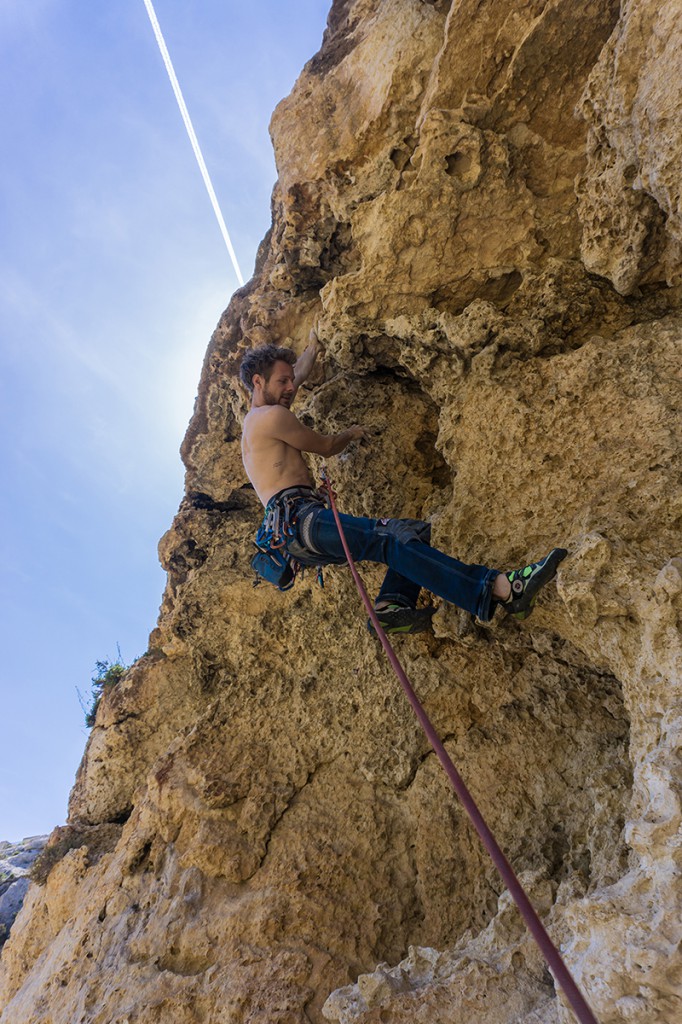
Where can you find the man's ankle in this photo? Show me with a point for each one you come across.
(501, 587)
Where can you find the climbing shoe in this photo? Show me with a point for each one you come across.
(396, 618)
(526, 583)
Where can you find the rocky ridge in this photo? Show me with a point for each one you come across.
(16, 860)
(479, 203)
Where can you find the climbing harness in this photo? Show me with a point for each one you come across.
(280, 555)
(551, 954)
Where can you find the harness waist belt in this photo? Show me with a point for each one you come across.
(294, 492)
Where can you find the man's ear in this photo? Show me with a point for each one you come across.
(258, 380)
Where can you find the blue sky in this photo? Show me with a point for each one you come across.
(113, 274)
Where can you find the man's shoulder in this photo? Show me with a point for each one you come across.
(262, 420)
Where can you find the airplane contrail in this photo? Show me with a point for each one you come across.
(192, 136)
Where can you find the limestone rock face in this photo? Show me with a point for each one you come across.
(630, 192)
(479, 205)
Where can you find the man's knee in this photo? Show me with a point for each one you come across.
(405, 530)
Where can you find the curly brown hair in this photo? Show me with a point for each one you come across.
(261, 360)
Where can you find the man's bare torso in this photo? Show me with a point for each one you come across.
(270, 464)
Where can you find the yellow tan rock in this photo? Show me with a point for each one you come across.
(258, 831)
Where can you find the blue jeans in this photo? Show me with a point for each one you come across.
(411, 565)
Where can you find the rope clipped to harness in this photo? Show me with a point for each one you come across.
(549, 951)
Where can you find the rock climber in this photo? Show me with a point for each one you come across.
(297, 517)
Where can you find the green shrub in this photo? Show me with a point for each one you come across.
(107, 674)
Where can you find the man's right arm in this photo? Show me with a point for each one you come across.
(282, 425)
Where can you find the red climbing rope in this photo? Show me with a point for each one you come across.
(535, 926)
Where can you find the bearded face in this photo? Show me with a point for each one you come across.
(278, 388)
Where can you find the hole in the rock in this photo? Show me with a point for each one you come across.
(340, 256)
(400, 158)
(629, 174)
(457, 165)
(403, 473)
(499, 290)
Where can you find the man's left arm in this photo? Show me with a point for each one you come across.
(304, 364)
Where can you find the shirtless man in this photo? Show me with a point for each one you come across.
(273, 441)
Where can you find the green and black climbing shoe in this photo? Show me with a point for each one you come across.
(395, 618)
(526, 583)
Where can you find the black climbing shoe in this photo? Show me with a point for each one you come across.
(526, 583)
(395, 618)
